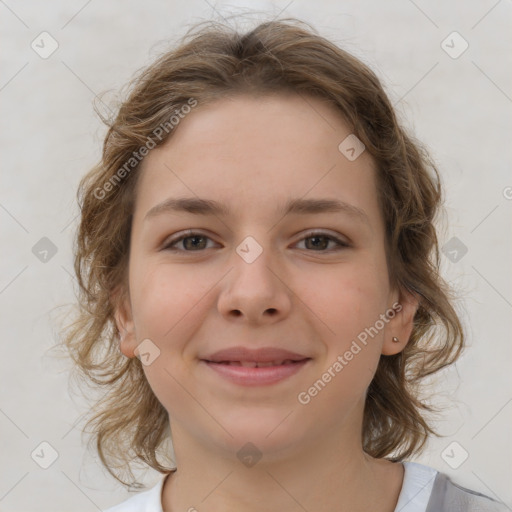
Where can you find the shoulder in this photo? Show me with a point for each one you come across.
(427, 490)
(449, 496)
(147, 501)
(416, 487)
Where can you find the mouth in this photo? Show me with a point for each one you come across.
(259, 364)
(247, 366)
(256, 373)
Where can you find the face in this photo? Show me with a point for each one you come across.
(310, 279)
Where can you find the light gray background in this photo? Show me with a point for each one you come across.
(50, 136)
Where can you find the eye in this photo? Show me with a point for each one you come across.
(320, 240)
(193, 241)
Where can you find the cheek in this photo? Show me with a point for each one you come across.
(349, 304)
(166, 302)
(168, 306)
(346, 301)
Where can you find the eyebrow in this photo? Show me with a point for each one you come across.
(199, 206)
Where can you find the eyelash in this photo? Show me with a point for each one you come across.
(191, 234)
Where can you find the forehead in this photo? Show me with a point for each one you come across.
(250, 152)
(246, 125)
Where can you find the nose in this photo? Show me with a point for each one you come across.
(256, 292)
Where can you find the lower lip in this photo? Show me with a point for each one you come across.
(247, 376)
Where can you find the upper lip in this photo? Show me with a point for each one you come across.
(258, 355)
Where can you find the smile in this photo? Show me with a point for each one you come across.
(252, 373)
(257, 364)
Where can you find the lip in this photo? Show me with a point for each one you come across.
(290, 364)
(248, 376)
(258, 355)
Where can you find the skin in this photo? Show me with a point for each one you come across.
(253, 154)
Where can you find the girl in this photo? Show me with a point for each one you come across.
(260, 283)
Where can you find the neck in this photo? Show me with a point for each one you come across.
(327, 474)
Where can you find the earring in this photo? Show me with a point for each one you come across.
(395, 339)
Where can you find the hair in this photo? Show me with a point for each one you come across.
(212, 62)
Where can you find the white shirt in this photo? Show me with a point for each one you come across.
(414, 496)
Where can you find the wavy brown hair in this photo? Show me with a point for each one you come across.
(213, 61)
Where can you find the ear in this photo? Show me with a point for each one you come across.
(124, 321)
(401, 324)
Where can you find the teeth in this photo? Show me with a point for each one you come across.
(249, 364)
(253, 364)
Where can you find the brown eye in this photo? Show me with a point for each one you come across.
(194, 241)
(191, 241)
(320, 241)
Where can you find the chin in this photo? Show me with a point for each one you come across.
(267, 430)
